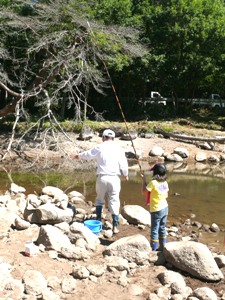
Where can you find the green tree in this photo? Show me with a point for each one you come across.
(186, 41)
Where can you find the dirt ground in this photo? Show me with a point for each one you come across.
(141, 283)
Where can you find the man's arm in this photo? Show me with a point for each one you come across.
(74, 156)
(89, 154)
(123, 165)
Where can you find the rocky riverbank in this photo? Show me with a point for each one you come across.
(87, 267)
(54, 154)
(70, 261)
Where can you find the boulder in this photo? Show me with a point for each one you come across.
(50, 214)
(136, 214)
(173, 157)
(53, 238)
(135, 248)
(183, 152)
(156, 151)
(194, 258)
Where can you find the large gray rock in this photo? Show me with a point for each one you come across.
(52, 191)
(78, 230)
(156, 151)
(135, 248)
(53, 238)
(136, 214)
(173, 157)
(194, 258)
(183, 152)
(50, 214)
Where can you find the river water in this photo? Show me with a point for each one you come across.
(201, 195)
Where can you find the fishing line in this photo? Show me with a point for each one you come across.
(117, 99)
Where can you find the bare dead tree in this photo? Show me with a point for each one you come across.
(47, 56)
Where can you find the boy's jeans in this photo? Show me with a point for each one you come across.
(158, 224)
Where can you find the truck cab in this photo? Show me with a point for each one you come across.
(155, 98)
(216, 100)
(214, 97)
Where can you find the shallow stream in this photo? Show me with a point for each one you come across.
(190, 194)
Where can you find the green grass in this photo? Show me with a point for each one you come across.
(186, 125)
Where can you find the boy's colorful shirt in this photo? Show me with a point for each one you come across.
(159, 193)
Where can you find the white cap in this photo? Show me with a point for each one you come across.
(109, 133)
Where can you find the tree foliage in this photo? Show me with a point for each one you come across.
(186, 40)
(52, 53)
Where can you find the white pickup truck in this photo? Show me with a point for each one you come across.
(155, 98)
(214, 100)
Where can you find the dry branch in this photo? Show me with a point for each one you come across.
(220, 140)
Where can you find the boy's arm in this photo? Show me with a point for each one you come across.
(144, 184)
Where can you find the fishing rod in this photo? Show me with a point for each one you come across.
(117, 99)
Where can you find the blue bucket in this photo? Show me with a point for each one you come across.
(94, 225)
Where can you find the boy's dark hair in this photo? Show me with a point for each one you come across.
(159, 171)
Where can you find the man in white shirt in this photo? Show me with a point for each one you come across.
(111, 161)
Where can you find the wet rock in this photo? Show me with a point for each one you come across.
(173, 157)
(214, 227)
(200, 157)
(197, 224)
(183, 152)
(205, 145)
(214, 158)
(206, 227)
(135, 155)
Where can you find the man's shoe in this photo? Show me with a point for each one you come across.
(115, 230)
